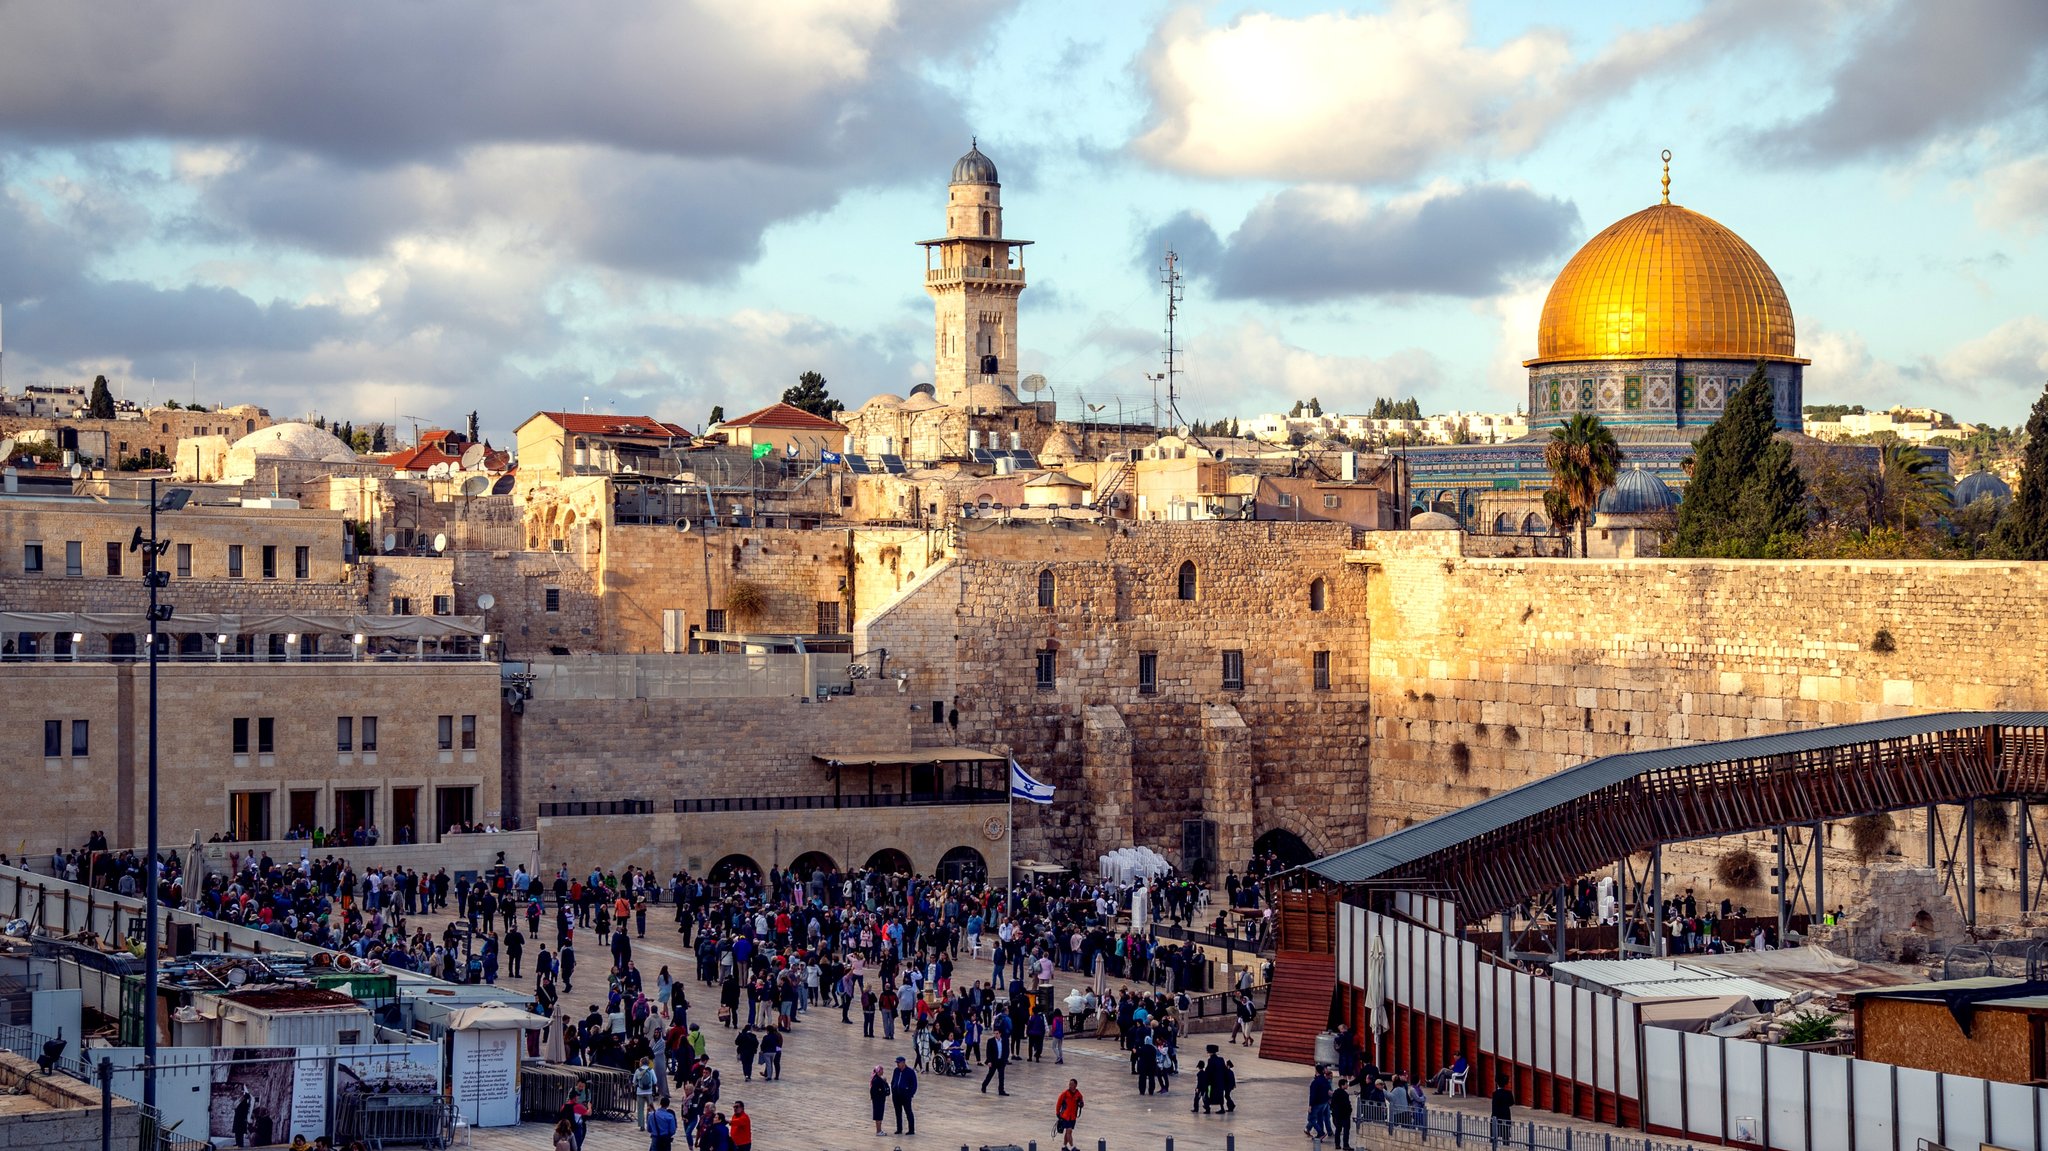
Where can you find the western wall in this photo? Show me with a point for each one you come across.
(1489, 673)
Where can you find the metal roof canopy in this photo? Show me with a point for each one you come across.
(1553, 830)
(910, 757)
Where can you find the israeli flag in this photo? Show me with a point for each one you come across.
(828, 457)
(790, 450)
(1023, 787)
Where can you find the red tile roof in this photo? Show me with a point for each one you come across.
(593, 424)
(425, 456)
(784, 415)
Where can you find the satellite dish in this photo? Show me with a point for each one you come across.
(476, 485)
(390, 542)
(1033, 383)
(486, 602)
(504, 484)
(440, 541)
(6, 447)
(237, 977)
(683, 525)
(472, 456)
(77, 470)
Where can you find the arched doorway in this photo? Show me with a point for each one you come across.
(1286, 848)
(735, 869)
(889, 860)
(964, 865)
(803, 866)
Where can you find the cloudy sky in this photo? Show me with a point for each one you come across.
(387, 207)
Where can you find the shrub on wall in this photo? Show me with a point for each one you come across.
(1868, 835)
(1737, 868)
(746, 599)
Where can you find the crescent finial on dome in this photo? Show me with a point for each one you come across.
(1667, 175)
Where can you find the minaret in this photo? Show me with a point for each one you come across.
(974, 285)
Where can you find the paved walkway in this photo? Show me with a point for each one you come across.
(822, 1102)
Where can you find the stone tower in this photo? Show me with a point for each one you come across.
(974, 285)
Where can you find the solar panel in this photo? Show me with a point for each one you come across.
(984, 456)
(893, 464)
(1025, 459)
(858, 464)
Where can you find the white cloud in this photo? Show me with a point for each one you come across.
(1518, 309)
(1374, 96)
(2014, 194)
(1259, 370)
(1992, 378)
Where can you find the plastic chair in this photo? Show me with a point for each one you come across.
(1457, 1084)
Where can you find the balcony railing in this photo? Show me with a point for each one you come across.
(952, 797)
(956, 275)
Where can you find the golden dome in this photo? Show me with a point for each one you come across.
(1666, 281)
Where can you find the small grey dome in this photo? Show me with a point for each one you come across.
(1432, 522)
(1977, 485)
(974, 168)
(1636, 492)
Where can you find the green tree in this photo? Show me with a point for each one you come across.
(1908, 491)
(2024, 531)
(1294, 413)
(1315, 406)
(377, 441)
(101, 406)
(1746, 498)
(810, 395)
(360, 443)
(717, 414)
(1583, 459)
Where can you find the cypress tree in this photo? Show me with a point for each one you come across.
(2023, 534)
(101, 405)
(1745, 498)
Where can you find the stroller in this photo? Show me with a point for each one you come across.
(952, 1061)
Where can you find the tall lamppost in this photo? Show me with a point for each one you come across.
(154, 578)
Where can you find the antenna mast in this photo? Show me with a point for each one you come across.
(1170, 276)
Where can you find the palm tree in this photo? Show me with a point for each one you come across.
(1583, 458)
(1908, 490)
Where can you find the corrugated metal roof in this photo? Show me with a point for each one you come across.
(1383, 856)
(1616, 972)
(1690, 988)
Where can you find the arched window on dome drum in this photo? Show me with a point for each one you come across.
(1318, 594)
(1187, 579)
(1046, 589)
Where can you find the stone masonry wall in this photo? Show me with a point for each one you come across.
(1490, 673)
(648, 569)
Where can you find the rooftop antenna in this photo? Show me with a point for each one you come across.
(1170, 276)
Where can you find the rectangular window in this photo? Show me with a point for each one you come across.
(369, 733)
(1332, 502)
(81, 739)
(269, 561)
(234, 561)
(1048, 669)
(1285, 500)
(401, 605)
(32, 556)
(302, 563)
(469, 733)
(552, 599)
(241, 733)
(184, 561)
(113, 559)
(714, 619)
(345, 733)
(938, 711)
(446, 732)
(266, 736)
(1148, 673)
(1233, 670)
(828, 617)
(53, 738)
(1321, 664)
(444, 605)
(74, 558)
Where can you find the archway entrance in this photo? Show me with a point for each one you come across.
(963, 865)
(803, 866)
(1285, 847)
(889, 860)
(735, 869)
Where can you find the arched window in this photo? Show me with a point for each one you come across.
(1046, 589)
(1534, 525)
(1318, 594)
(1187, 579)
(1503, 524)
(984, 222)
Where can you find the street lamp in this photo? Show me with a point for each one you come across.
(153, 578)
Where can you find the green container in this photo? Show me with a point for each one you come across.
(364, 986)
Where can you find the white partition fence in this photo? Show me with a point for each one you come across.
(1586, 1053)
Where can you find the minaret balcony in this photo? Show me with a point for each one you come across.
(939, 276)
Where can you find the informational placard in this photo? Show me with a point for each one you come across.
(484, 1068)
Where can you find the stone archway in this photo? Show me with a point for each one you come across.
(735, 868)
(811, 861)
(964, 864)
(1288, 849)
(890, 860)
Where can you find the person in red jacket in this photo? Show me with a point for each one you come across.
(741, 1129)
(1067, 1110)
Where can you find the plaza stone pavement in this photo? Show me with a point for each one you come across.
(821, 1102)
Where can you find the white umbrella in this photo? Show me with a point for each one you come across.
(556, 1049)
(1376, 990)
